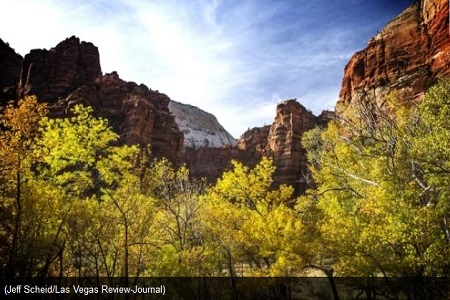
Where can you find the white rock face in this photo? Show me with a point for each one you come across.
(200, 129)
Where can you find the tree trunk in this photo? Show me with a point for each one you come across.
(11, 265)
(330, 277)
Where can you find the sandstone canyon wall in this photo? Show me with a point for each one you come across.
(53, 74)
(139, 114)
(284, 143)
(407, 56)
(70, 73)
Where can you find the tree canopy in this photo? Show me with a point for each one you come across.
(382, 187)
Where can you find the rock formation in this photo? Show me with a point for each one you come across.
(70, 73)
(281, 141)
(53, 74)
(138, 114)
(284, 143)
(200, 129)
(10, 66)
(408, 55)
(210, 163)
(255, 140)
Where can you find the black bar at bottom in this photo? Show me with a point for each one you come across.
(203, 288)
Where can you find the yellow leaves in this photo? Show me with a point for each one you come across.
(117, 164)
(221, 219)
(21, 121)
(436, 107)
(23, 117)
(251, 188)
(251, 222)
(278, 236)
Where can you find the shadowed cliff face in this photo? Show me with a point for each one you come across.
(53, 74)
(70, 73)
(10, 66)
(408, 55)
(138, 114)
(210, 163)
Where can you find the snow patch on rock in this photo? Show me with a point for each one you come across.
(200, 129)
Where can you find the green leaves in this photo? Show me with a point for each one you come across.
(71, 148)
(382, 187)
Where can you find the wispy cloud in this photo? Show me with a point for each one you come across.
(235, 59)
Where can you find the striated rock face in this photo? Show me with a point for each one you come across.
(210, 163)
(284, 143)
(200, 129)
(10, 66)
(408, 55)
(52, 74)
(254, 140)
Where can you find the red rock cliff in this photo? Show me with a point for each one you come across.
(70, 73)
(284, 143)
(139, 114)
(407, 55)
(280, 141)
(52, 74)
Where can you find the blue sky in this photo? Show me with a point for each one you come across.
(235, 59)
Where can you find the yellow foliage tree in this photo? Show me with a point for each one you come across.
(250, 225)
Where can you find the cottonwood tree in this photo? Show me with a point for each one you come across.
(431, 169)
(179, 237)
(377, 191)
(251, 226)
(19, 128)
(109, 217)
(68, 152)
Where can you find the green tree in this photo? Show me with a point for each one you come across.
(251, 226)
(107, 219)
(177, 221)
(68, 153)
(431, 166)
(374, 189)
(71, 148)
